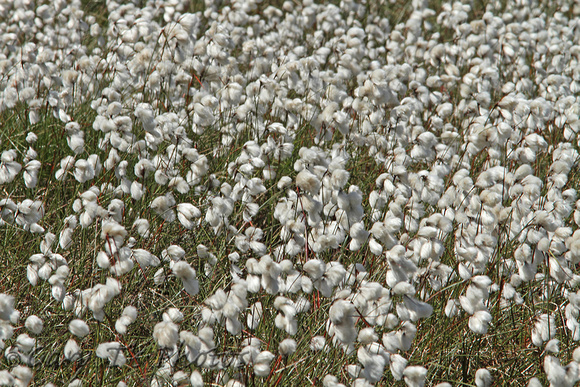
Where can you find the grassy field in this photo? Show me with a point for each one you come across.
(391, 186)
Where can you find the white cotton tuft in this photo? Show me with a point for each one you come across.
(576, 355)
(308, 181)
(287, 347)
(404, 288)
(8, 167)
(25, 343)
(318, 343)
(65, 238)
(172, 315)
(142, 226)
(79, 328)
(7, 311)
(544, 329)
(137, 190)
(264, 357)
(166, 334)
(113, 351)
(339, 178)
(342, 316)
(452, 308)
(128, 316)
(180, 378)
(375, 247)
(173, 252)
(315, 268)
(34, 324)
(398, 364)
(255, 315)
(367, 336)
(186, 212)
(72, 351)
(553, 346)
(415, 376)
(162, 205)
(6, 378)
(558, 375)
(32, 274)
(483, 378)
(23, 375)
(479, 322)
(196, 379)
(180, 184)
(331, 381)
(159, 277)
(284, 182)
(30, 175)
(261, 369)
(65, 165)
(145, 259)
(31, 137)
(186, 274)
(103, 260)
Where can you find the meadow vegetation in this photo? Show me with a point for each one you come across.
(246, 193)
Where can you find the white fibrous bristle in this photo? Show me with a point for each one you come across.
(294, 192)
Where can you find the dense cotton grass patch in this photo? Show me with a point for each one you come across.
(289, 194)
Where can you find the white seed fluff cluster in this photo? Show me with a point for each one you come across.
(255, 187)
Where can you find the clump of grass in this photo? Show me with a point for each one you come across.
(383, 184)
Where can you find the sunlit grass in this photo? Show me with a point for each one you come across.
(446, 346)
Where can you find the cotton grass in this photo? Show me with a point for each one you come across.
(388, 186)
